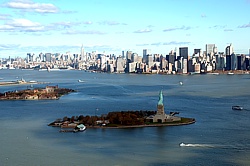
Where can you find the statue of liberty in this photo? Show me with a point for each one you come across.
(160, 102)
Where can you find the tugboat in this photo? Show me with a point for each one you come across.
(236, 107)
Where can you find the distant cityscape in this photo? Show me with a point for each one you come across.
(178, 61)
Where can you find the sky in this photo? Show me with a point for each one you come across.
(111, 26)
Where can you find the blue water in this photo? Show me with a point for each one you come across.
(222, 135)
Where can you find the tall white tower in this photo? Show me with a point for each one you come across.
(83, 58)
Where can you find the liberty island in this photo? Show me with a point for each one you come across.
(126, 119)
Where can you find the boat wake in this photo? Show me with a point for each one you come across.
(196, 145)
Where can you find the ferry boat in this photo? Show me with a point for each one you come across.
(80, 127)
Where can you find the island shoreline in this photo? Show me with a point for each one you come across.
(145, 125)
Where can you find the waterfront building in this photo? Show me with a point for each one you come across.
(185, 66)
(191, 64)
(163, 64)
(247, 63)
(48, 57)
(156, 58)
(229, 52)
(210, 49)
(150, 61)
(110, 68)
(28, 57)
(123, 54)
(233, 62)
(83, 57)
(170, 68)
(132, 67)
(184, 52)
(197, 68)
(184, 58)
(197, 51)
(120, 65)
(171, 58)
(134, 57)
(241, 59)
(129, 55)
(146, 52)
(220, 61)
(139, 59)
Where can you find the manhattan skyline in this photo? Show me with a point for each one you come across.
(113, 26)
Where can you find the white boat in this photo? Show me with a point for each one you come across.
(230, 73)
(237, 107)
(181, 83)
(213, 73)
(43, 69)
(80, 127)
(81, 81)
(53, 69)
(196, 145)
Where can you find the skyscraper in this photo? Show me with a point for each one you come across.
(146, 52)
(123, 54)
(83, 58)
(210, 49)
(184, 55)
(229, 49)
(184, 52)
(229, 60)
(129, 55)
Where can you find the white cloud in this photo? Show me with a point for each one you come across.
(66, 24)
(176, 43)
(177, 28)
(32, 6)
(203, 15)
(111, 23)
(145, 44)
(228, 30)
(74, 32)
(143, 31)
(156, 44)
(4, 16)
(245, 26)
(21, 25)
(88, 22)
(8, 46)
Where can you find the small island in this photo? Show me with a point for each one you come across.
(125, 119)
(47, 93)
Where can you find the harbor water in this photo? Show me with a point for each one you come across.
(220, 136)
